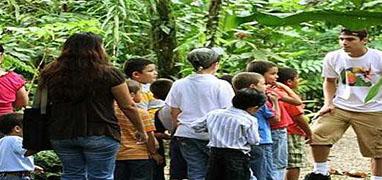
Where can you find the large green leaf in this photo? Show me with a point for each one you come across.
(374, 91)
(350, 19)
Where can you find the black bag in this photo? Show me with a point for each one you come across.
(35, 124)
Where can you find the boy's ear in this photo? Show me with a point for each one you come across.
(252, 86)
(136, 74)
(17, 129)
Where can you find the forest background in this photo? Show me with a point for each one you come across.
(294, 33)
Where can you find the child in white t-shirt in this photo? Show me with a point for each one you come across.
(191, 98)
(14, 160)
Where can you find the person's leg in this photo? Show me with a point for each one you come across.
(178, 165)
(215, 167)
(195, 152)
(280, 152)
(258, 162)
(72, 159)
(121, 170)
(100, 154)
(326, 131)
(141, 169)
(296, 156)
(237, 166)
(368, 128)
(376, 167)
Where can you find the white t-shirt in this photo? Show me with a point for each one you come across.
(164, 116)
(12, 155)
(195, 96)
(355, 77)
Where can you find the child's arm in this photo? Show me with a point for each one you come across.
(300, 121)
(275, 107)
(174, 115)
(160, 135)
(252, 133)
(151, 146)
(292, 97)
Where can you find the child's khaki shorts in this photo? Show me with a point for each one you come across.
(330, 127)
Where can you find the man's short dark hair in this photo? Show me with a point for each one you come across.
(259, 66)
(10, 121)
(247, 98)
(161, 87)
(359, 33)
(135, 64)
(245, 79)
(286, 73)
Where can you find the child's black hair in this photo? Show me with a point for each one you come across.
(160, 88)
(9, 121)
(135, 64)
(247, 98)
(227, 77)
(285, 74)
(260, 67)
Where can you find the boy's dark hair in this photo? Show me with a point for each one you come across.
(134, 86)
(260, 67)
(245, 79)
(135, 64)
(247, 98)
(9, 121)
(226, 77)
(1, 48)
(285, 74)
(359, 33)
(161, 87)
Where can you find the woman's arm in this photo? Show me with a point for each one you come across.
(21, 98)
(127, 106)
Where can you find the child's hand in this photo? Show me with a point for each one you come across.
(157, 158)
(272, 96)
(141, 137)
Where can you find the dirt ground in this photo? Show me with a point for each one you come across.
(344, 156)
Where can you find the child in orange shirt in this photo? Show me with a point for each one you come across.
(135, 160)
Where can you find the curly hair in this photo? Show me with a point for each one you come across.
(82, 60)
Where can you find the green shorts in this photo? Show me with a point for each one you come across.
(296, 151)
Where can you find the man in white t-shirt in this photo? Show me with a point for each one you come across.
(348, 75)
(191, 98)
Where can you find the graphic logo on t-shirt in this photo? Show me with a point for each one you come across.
(356, 76)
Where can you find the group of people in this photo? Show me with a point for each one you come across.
(111, 125)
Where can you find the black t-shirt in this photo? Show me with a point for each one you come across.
(91, 114)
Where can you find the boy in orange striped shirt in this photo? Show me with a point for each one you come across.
(134, 160)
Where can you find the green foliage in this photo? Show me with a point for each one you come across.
(51, 164)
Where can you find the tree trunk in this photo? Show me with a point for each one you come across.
(164, 38)
(213, 22)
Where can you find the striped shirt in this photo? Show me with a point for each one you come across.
(148, 102)
(229, 128)
(129, 148)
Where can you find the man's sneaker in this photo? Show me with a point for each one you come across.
(314, 176)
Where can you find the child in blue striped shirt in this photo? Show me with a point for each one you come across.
(231, 133)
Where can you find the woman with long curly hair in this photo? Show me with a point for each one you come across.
(82, 86)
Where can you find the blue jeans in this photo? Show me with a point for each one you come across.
(134, 169)
(195, 152)
(178, 165)
(280, 152)
(261, 162)
(90, 157)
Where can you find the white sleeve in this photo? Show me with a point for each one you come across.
(225, 95)
(18, 147)
(328, 69)
(173, 97)
(252, 133)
